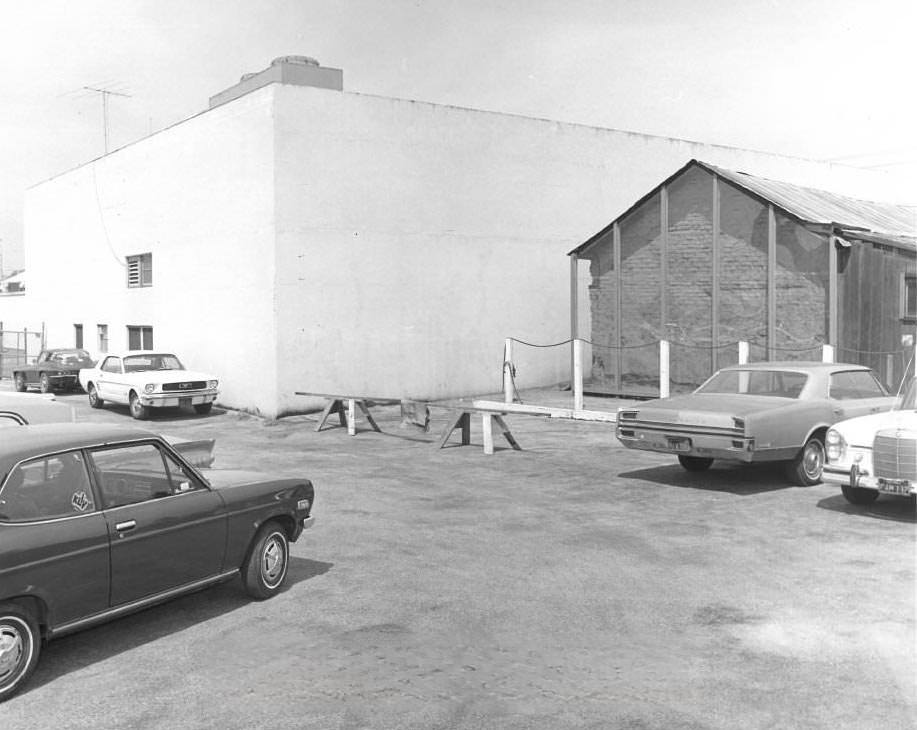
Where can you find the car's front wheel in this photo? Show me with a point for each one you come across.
(44, 383)
(203, 408)
(266, 567)
(19, 379)
(695, 463)
(94, 400)
(20, 645)
(138, 410)
(858, 495)
(805, 470)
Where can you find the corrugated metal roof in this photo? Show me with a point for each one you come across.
(820, 206)
(884, 222)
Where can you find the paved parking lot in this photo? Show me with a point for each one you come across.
(572, 584)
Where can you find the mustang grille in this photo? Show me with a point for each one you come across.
(186, 385)
(894, 455)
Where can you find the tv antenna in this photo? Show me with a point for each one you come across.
(105, 93)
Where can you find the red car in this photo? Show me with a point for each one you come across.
(98, 521)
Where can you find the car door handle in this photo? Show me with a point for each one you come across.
(125, 526)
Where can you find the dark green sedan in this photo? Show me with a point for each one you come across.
(97, 521)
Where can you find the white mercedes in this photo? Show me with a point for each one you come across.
(875, 454)
(143, 379)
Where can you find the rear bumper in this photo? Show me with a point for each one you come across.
(734, 447)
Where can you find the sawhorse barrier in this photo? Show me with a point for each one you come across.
(462, 420)
(345, 407)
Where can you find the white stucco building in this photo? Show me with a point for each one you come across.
(299, 237)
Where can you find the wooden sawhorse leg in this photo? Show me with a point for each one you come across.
(462, 421)
(347, 414)
(487, 421)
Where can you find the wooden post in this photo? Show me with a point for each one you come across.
(508, 394)
(351, 417)
(619, 303)
(827, 353)
(743, 352)
(889, 369)
(487, 429)
(771, 281)
(577, 375)
(663, 368)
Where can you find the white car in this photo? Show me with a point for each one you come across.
(875, 454)
(144, 379)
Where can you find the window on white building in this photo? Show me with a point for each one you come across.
(140, 270)
(78, 335)
(139, 337)
(102, 330)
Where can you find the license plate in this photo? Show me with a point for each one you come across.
(679, 444)
(184, 401)
(895, 486)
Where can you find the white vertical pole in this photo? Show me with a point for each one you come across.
(664, 368)
(827, 353)
(508, 370)
(487, 431)
(351, 417)
(743, 352)
(577, 375)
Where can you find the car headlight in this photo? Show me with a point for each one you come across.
(149, 388)
(835, 446)
(212, 384)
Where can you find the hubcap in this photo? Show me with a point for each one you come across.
(11, 650)
(813, 460)
(273, 560)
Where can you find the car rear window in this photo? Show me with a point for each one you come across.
(778, 383)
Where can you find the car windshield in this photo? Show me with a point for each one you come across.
(779, 383)
(909, 400)
(70, 357)
(153, 361)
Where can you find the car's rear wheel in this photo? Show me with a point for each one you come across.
(695, 463)
(94, 400)
(44, 383)
(20, 645)
(805, 470)
(203, 408)
(19, 379)
(266, 567)
(858, 495)
(138, 410)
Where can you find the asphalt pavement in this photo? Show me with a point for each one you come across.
(572, 584)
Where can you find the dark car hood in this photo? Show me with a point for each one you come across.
(229, 478)
(707, 409)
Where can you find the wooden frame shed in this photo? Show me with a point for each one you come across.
(712, 257)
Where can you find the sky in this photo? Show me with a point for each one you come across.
(822, 79)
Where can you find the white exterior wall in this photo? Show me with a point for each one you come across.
(314, 240)
(199, 197)
(412, 238)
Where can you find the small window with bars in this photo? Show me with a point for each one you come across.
(140, 270)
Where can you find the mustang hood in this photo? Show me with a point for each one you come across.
(861, 431)
(706, 409)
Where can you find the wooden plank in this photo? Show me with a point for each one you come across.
(368, 415)
(329, 409)
(351, 417)
(546, 411)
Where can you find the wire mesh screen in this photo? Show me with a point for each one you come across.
(17, 347)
